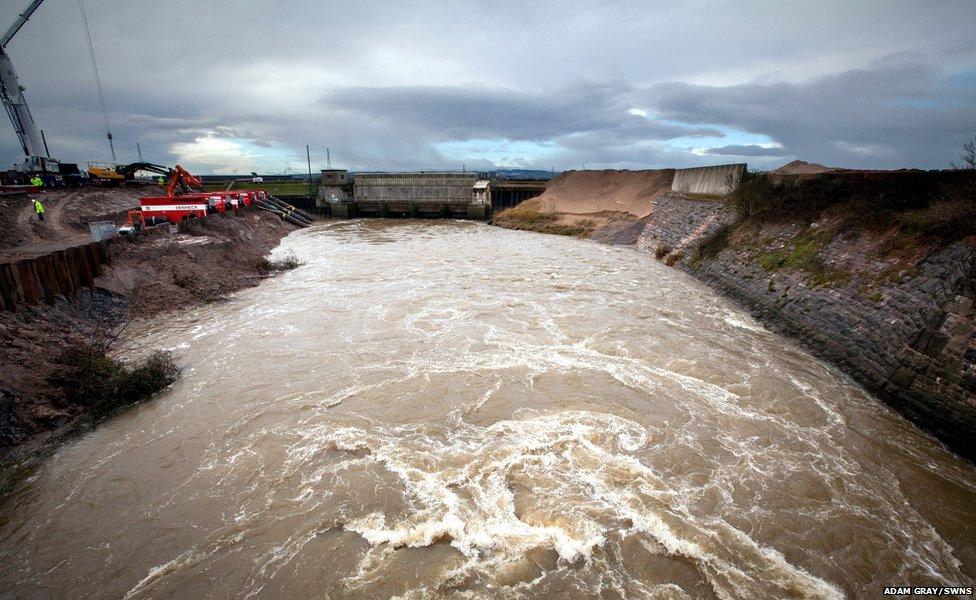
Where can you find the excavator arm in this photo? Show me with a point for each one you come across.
(183, 182)
(128, 171)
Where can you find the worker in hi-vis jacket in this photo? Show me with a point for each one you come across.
(37, 181)
(39, 209)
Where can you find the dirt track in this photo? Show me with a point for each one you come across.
(66, 218)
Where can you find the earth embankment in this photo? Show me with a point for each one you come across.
(66, 217)
(154, 272)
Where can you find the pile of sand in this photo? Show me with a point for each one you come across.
(587, 192)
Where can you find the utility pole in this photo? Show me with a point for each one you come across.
(328, 159)
(308, 157)
(139, 150)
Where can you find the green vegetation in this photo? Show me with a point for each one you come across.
(931, 204)
(276, 188)
(803, 254)
(528, 216)
(103, 384)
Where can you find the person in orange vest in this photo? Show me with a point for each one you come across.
(39, 209)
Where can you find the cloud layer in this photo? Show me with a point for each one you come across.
(245, 86)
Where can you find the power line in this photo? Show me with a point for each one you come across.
(98, 81)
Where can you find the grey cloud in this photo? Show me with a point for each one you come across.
(891, 85)
(747, 150)
(894, 115)
(472, 112)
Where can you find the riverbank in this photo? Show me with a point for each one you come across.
(573, 421)
(155, 272)
(873, 272)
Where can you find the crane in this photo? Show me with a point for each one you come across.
(37, 160)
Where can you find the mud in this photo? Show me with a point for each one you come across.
(66, 217)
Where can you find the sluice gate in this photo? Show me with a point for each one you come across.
(506, 193)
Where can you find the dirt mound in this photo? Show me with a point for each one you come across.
(586, 192)
(158, 270)
(66, 217)
(802, 167)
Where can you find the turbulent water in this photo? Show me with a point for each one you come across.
(450, 409)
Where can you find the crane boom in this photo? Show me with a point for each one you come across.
(19, 22)
(12, 96)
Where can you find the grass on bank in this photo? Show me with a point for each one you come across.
(276, 188)
(935, 205)
(911, 209)
(529, 216)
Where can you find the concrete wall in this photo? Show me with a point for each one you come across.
(394, 188)
(708, 180)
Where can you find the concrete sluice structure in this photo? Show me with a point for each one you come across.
(506, 193)
(417, 195)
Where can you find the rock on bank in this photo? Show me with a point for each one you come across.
(874, 273)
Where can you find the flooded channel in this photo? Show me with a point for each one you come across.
(440, 409)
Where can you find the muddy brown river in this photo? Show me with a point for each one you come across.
(446, 409)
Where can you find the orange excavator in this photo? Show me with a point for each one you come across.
(183, 182)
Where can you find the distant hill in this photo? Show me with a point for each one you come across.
(316, 176)
(524, 174)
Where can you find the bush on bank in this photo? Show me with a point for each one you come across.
(103, 384)
(529, 216)
(937, 204)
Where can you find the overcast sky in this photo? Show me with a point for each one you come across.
(233, 86)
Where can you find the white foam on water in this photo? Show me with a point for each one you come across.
(583, 485)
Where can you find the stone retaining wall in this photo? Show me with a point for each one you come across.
(678, 224)
(910, 339)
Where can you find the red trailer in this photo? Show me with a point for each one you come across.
(177, 208)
